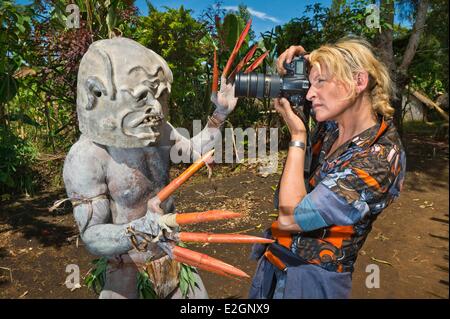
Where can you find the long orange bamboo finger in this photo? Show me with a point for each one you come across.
(220, 267)
(215, 79)
(178, 181)
(210, 215)
(189, 262)
(201, 260)
(236, 49)
(222, 238)
(244, 61)
(256, 63)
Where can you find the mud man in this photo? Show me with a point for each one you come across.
(122, 160)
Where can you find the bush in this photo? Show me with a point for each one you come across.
(16, 158)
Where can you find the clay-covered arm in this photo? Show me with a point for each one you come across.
(105, 239)
(224, 102)
(100, 236)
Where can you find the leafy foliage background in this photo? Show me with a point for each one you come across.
(39, 58)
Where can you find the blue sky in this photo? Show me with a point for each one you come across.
(266, 14)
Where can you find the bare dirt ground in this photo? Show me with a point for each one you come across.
(409, 241)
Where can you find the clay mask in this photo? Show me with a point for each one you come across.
(122, 90)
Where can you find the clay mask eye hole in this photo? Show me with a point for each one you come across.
(152, 85)
(97, 93)
(142, 96)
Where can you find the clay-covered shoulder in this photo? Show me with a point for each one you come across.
(84, 170)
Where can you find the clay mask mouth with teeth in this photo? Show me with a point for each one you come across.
(144, 126)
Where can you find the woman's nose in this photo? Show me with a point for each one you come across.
(311, 94)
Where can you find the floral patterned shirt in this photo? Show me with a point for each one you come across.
(348, 190)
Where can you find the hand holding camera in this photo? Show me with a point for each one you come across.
(288, 55)
(293, 85)
(296, 126)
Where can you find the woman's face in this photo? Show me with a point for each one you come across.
(328, 96)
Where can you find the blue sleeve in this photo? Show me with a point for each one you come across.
(353, 189)
(307, 216)
(344, 197)
(322, 208)
(335, 209)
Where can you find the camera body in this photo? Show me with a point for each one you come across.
(293, 86)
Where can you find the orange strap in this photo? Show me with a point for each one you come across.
(275, 260)
(337, 234)
(284, 238)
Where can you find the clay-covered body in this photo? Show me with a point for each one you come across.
(128, 178)
(122, 160)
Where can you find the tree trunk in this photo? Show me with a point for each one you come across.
(430, 104)
(402, 78)
(413, 43)
(385, 45)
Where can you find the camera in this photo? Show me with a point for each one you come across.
(293, 86)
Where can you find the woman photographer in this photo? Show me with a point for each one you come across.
(357, 170)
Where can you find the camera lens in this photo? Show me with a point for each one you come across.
(257, 85)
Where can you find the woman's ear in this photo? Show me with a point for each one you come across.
(362, 81)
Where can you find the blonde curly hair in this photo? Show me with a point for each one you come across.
(350, 56)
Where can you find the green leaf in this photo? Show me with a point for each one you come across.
(232, 28)
(95, 279)
(183, 287)
(187, 279)
(145, 286)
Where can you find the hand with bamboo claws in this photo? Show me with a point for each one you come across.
(164, 229)
(224, 99)
(160, 223)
